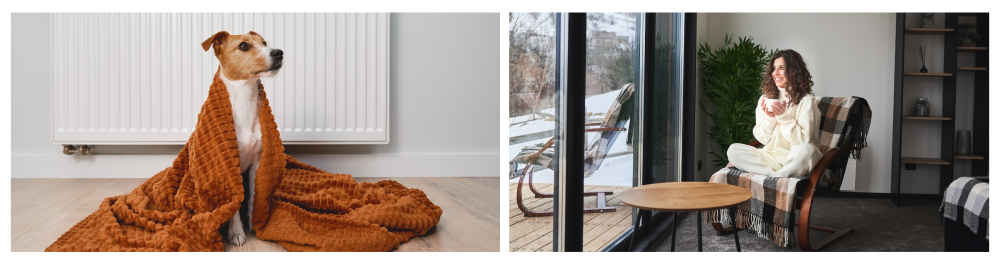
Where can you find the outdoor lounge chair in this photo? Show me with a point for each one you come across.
(541, 155)
(844, 126)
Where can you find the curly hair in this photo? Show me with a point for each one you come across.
(799, 81)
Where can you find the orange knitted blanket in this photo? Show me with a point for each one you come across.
(300, 207)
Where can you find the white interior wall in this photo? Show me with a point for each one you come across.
(847, 55)
(445, 79)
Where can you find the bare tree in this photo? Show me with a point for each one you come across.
(531, 63)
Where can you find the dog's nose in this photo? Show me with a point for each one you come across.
(277, 54)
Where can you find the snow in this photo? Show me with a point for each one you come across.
(523, 125)
(624, 24)
(615, 171)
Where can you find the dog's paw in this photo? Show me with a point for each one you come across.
(236, 236)
(237, 239)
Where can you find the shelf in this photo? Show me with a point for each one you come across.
(929, 74)
(971, 49)
(925, 161)
(932, 118)
(944, 38)
(923, 31)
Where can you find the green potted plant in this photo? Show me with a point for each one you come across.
(732, 76)
(967, 34)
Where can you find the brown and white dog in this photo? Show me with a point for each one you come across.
(243, 60)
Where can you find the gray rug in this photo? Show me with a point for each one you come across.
(878, 226)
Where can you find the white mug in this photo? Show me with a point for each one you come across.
(768, 102)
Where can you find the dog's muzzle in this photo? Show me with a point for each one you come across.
(276, 57)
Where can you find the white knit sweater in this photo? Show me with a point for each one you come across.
(797, 125)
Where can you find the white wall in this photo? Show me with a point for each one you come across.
(847, 55)
(445, 119)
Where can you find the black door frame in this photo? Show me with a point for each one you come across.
(570, 109)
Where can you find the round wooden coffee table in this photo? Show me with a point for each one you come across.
(685, 197)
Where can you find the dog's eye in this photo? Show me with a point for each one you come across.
(265, 43)
(244, 46)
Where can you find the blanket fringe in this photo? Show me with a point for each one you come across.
(752, 224)
(857, 135)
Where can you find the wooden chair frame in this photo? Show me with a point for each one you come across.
(805, 205)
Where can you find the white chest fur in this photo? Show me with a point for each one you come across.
(245, 98)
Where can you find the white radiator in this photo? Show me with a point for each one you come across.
(142, 78)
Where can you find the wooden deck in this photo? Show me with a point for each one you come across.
(43, 209)
(534, 234)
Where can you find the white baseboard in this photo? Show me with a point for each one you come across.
(358, 165)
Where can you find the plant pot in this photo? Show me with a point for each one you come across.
(923, 69)
(965, 43)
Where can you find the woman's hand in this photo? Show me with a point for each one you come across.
(763, 107)
(777, 108)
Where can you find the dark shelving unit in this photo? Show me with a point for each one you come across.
(980, 132)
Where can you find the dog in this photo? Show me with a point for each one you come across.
(243, 60)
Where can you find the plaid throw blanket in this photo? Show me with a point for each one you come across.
(967, 201)
(770, 212)
(842, 120)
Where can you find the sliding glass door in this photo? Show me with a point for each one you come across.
(596, 103)
(666, 114)
(532, 122)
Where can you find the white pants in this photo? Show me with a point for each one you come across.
(799, 162)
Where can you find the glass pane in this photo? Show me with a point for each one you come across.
(612, 52)
(661, 143)
(532, 122)
(612, 75)
(664, 143)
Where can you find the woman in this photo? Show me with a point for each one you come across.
(787, 127)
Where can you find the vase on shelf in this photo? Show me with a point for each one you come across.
(922, 108)
(966, 43)
(963, 143)
(922, 50)
(928, 20)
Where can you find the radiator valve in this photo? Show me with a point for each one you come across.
(76, 149)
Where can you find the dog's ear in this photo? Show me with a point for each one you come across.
(214, 39)
(257, 35)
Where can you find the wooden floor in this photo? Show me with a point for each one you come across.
(43, 209)
(534, 234)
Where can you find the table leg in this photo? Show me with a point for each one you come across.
(699, 231)
(736, 232)
(635, 229)
(673, 237)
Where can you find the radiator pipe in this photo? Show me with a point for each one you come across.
(76, 149)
